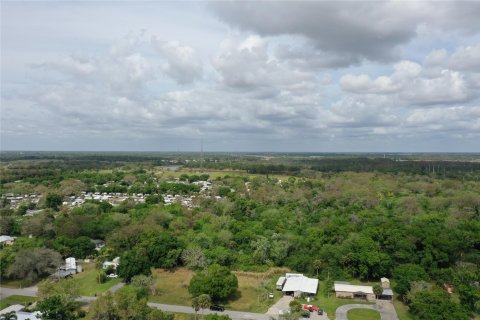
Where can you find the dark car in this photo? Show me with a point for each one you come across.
(216, 307)
(305, 314)
(320, 312)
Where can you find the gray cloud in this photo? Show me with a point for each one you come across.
(352, 31)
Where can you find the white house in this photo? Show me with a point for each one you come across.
(347, 290)
(114, 263)
(297, 284)
(7, 240)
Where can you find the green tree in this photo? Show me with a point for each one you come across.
(436, 305)
(157, 314)
(295, 306)
(55, 308)
(32, 264)
(54, 201)
(405, 274)
(377, 289)
(217, 281)
(132, 263)
(204, 301)
(216, 316)
(196, 306)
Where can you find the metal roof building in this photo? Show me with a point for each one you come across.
(299, 285)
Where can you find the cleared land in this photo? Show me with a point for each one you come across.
(87, 281)
(253, 288)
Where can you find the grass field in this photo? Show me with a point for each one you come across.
(402, 310)
(87, 281)
(15, 300)
(172, 287)
(363, 314)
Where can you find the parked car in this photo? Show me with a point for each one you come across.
(271, 295)
(112, 275)
(216, 307)
(305, 314)
(320, 312)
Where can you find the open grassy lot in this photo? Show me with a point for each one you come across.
(402, 310)
(87, 281)
(363, 314)
(253, 288)
(24, 300)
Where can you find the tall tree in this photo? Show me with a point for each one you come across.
(32, 264)
(217, 281)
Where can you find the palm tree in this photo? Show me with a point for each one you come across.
(9, 316)
(204, 301)
(317, 265)
(195, 306)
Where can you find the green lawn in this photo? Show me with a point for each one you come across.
(15, 300)
(87, 281)
(363, 314)
(402, 310)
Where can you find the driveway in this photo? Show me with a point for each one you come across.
(386, 310)
(282, 304)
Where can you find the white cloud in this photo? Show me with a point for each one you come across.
(414, 84)
(181, 63)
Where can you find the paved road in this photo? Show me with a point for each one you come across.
(7, 292)
(386, 310)
(235, 315)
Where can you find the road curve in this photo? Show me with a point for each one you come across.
(386, 310)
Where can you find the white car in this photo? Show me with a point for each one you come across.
(112, 275)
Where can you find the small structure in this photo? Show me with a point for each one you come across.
(297, 284)
(114, 263)
(385, 283)
(7, 240)
(20, 315)
(280, 283)
(99, 244)
(387, 294)
(346, 290)
(71, 264)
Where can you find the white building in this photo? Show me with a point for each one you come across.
(297, 284)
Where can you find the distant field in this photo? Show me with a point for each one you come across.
(172, 288)
(363, 314)
(23, 300)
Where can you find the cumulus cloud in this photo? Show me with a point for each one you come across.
(249, 65)
(182, 63)
(352, 30)
(414, 84)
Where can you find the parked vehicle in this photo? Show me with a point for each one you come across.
(271, 295)
(305, 314)
(112, 275)
(320, 312)
(216, 307)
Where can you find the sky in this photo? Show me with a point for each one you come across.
(316, 76)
